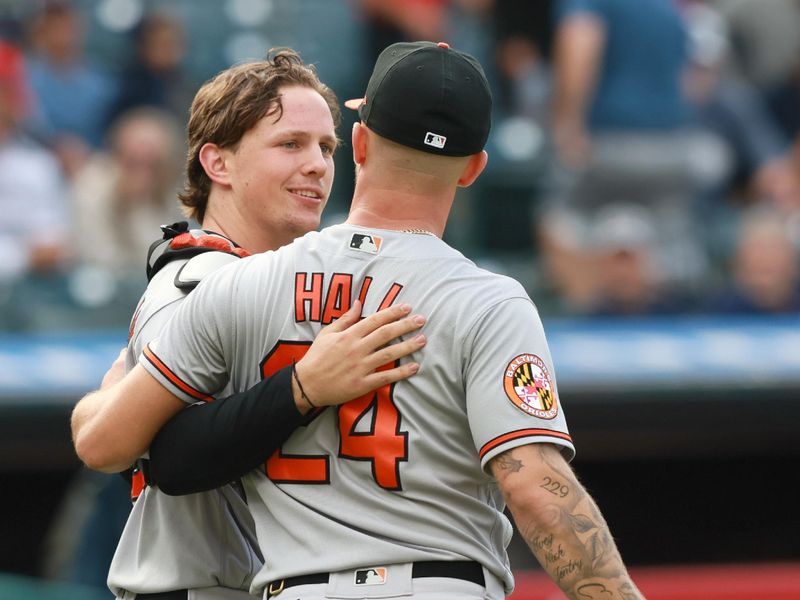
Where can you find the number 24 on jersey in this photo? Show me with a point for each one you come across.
(383, 444)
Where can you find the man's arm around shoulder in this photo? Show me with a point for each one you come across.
(561, 523)
(114, 425)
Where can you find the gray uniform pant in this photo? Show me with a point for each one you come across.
(210, 593)
(398, 584)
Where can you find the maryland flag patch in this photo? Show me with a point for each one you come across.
(528, 385)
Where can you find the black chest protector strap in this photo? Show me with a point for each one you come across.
(180, 242)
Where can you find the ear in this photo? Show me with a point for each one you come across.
(213, 158)
(474, 167)
(359, 140)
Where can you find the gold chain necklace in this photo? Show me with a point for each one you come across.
(419, 231)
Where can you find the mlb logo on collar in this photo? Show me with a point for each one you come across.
(373, 576)
(435, 140)
(365, 242)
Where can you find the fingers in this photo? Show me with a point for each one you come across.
(380, 318)
(349, 318)
(389, 354)
(390, 331)
(388, 376)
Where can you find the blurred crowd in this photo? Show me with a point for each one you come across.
(90, 162)
(646, 152)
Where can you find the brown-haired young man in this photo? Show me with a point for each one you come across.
(260, 167)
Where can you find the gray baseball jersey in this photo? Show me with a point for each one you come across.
(194, 541)
(398, 475)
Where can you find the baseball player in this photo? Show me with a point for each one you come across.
(203, 545)
(399, 493)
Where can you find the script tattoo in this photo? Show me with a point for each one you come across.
(544, 544)
(594, 591)
(563, 528)
(572, 566)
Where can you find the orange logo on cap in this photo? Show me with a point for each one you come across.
(528, 385)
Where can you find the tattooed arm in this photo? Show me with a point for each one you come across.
(561, 524)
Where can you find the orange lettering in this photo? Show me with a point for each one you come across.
(338, 300)
(362, 295)
(303, 295)
(391, 295)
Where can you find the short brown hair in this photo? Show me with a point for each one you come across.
(233, 102)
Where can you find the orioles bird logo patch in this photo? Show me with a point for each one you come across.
(528, 385)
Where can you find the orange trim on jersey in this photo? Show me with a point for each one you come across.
(135, 318)
(137, 485)
(174, 379)
(520, 433)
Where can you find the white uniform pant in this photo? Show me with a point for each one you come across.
(399, 585)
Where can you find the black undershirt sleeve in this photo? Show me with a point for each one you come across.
(208, 445)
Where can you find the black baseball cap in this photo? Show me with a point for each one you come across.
(427, 96)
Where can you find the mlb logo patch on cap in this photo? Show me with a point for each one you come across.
(372, 576)
(435, 140)
(366, 243)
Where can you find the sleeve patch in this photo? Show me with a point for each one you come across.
(527, 383)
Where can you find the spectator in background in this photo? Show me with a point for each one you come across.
(522, 40)
(390, 21)
(620, 130)
(154, 76)
(765, 268)
(765, 39)
(33, 213)
(784, 104)
(784, 99)
(618, 66)
(122, 195)
(765, 52)
(74, 95)
(628, 279)
(734, 110)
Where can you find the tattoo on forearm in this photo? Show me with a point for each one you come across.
(628, 592)
(506, 462)
(572, 566)
(555, 487)
(539, 542)
(569, 535)
(599, 542)
(544, 545)
(594, 591)
(551, 556)
(589, 552)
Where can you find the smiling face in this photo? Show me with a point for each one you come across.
(281, 171)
